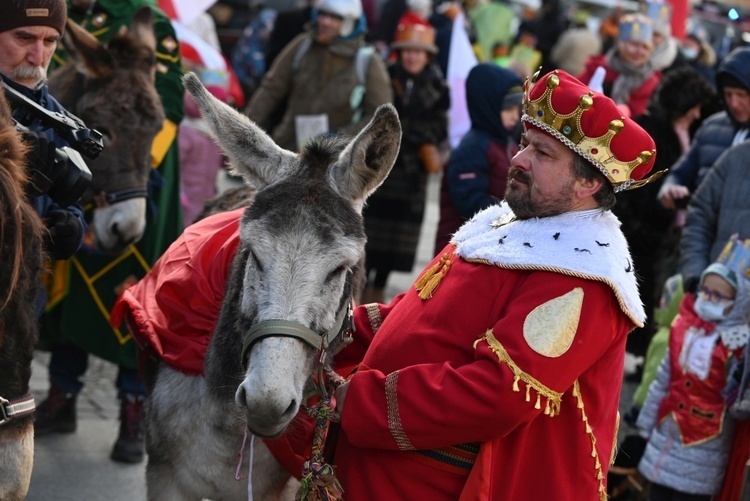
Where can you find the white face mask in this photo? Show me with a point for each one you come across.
(710, 311)
(689, 53)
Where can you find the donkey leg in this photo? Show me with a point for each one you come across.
(16, 461)
(162, 484)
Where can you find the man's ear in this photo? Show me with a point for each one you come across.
(588, 187)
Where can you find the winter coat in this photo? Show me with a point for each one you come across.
(477, 172)
(321, 84)
(393, 215)
(715, 134)
(718, 209)
(691, 435)
(43, 204)
(638, 98)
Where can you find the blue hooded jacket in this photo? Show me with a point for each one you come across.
(477, 173)
(716, 133)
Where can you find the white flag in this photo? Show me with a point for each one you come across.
(461, 59)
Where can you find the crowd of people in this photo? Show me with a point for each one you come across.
(586, 201)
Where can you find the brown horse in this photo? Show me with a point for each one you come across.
(21, 255)
(111, 88)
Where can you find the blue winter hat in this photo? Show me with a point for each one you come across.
(723, 272)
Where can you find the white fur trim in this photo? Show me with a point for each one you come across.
(587, 244)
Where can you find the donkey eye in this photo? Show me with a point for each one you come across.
(256, 261)
(338, 271)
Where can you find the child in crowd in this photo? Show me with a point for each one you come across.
(684, 415)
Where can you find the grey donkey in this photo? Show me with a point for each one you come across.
(300, 241)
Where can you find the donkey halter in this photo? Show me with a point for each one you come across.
(343, 326)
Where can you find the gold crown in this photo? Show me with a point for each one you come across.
(567, 128)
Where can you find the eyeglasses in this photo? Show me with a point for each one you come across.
(714, 296)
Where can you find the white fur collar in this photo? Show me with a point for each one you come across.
(587, 244)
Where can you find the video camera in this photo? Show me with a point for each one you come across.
(69, 177)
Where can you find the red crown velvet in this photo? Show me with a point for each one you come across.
(591, 125)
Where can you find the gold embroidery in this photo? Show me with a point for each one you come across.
(590, 433)
(550, 327)
(394, 420)
(373, 314)
(554, 399)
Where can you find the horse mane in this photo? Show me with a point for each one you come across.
(20, 226)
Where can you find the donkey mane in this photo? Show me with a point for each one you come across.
(319, 152)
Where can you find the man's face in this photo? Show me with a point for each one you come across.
(738, 103)
(541, 181)
(327, 27)
(25, 53)
(634, 52)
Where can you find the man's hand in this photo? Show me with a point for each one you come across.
(340, 395)
(65, 234)
(40, 160)
(669, 194)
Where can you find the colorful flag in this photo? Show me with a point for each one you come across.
(185, 11)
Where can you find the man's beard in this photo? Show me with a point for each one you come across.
(35, 75)
(520, 201)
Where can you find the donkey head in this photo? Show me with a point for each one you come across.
(300, 241)
(111, 88)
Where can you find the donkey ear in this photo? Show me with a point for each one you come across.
(367, 160)
(90, 57)
(141, 26)
(253, 154)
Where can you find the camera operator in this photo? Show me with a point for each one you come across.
(29, 33)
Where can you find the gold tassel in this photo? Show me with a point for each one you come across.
(515, 384)
(430, 279)
(427, 275)
(431, 285)
(546, 408)
(528, 392)
(538, 405)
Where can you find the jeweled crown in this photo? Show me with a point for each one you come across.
(591, 125)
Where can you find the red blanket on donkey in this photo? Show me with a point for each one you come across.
(172, 312)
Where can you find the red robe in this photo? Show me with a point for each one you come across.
(504, 385)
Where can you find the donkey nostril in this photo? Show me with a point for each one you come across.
(241, 397)
(115, 230)
(292, 409)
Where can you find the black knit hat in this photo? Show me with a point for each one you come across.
(726, 79)
(17, 13)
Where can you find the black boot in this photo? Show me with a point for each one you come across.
(129, 446)
(56, 414)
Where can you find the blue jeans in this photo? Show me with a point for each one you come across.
(69, 363)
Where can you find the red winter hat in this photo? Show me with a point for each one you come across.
(590, 124)
(17, 13)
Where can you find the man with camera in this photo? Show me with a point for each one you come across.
(29, 33)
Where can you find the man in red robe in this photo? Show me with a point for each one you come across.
(498, 375)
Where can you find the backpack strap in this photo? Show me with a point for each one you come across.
(362, 62)
(301, 51)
